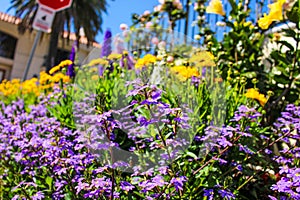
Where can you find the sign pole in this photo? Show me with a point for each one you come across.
(36, 40)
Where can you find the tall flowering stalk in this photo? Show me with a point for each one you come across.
(71, 70)
(106, 48)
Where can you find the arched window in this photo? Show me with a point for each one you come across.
(7, 45)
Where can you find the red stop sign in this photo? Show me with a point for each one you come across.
(56, 5)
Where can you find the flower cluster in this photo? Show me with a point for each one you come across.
(184, 72)
(44, 154)
(145, 61)
(33, 87)
(288, 182)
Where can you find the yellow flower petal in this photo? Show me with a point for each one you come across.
(264, 22)
(274, 15)
(215, 7)
(254, 94)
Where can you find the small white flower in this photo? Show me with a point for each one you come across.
(123, 27)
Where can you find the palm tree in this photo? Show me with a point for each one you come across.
(83, 14)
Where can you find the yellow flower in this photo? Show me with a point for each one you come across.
(274, 15)
(203, 59)
(248, 23)
(146, 60)
(60, 65)
(54, 69)
(254, 94)
(235, 23)
(98, 61)
(65, 63)
(276, 10)
(185, 73)
(114, 56)
(264, 22)
(95, 77)
(215, 7)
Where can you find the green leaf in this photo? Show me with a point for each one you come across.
(49, 181)
(191, 154)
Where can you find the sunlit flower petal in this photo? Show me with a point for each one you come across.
(215, 7)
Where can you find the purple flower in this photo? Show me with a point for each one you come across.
(245, 149)
(178, 182)
(159, 181)
(209, 193)
(38, 196)
(106, 47)
(71, 70)
(127, 62)
(226, 194)
(268, 151)
(124, 185)
(272, 198)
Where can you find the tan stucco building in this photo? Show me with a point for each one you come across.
(15, 49)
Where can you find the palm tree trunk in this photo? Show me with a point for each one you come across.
(56, 28)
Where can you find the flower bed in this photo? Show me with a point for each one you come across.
(161, 121)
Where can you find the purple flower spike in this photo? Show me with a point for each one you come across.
(106, 47)
(71, 70)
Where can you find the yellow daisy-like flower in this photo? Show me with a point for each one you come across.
(215, 7)
(254, 94)
(54, 69)
(114, 56)
(203, 59)
(274, 15)
(65, 63)
(184, 72)
(146, 60)
(60, 65)
(98, 61)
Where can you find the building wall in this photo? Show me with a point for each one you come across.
(14, 68)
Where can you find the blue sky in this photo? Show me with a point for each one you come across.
(119, 11)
